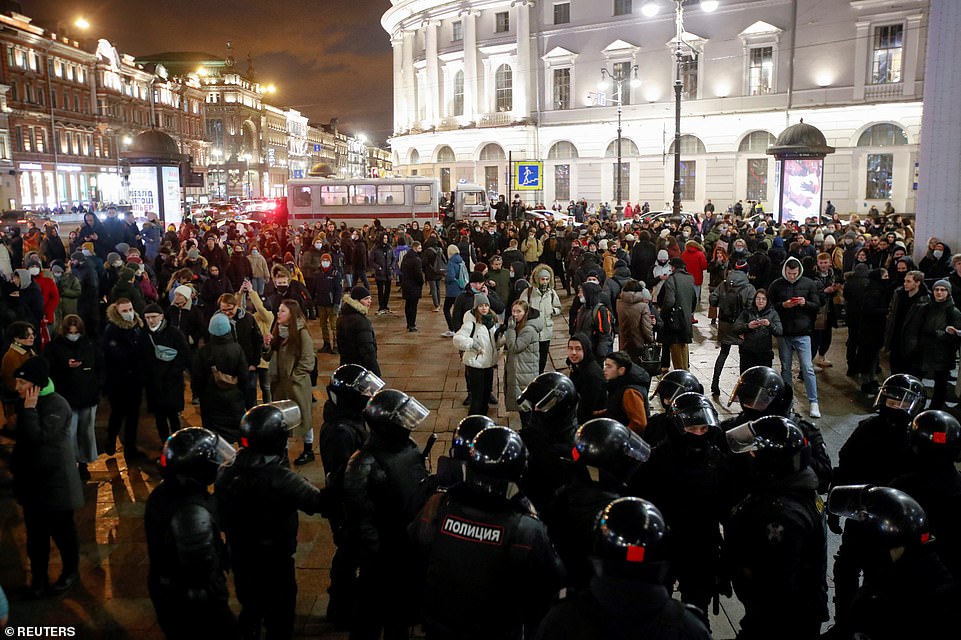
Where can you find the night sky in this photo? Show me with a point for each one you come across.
(328, 58)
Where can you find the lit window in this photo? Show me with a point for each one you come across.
(562, 15)
(880, 176)
(688, 175)
(333, 195)
(422, 194)
(622, 7)
(562, 89)
(887, 56)
(456, 31)
(457, 108)
(761, 71)
(757, 179)
(625, 192)
(363, 194)
(562, 181)
(502, 22)
(504, 91)
(623, 70)
(390, 194)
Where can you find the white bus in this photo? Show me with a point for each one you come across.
(357, 201)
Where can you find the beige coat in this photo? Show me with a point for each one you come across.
(290, 378)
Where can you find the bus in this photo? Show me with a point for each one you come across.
(358, 201)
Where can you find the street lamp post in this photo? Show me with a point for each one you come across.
(619, 76)
(650, 10)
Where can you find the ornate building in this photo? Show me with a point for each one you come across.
(478, 82)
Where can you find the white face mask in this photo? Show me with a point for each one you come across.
(154, 327)
(937, 254)
(73, 337)
(325, 264)
(86, 253)
(36, 270)
(127, 315)
(117, 264)
(318, 246)
(582, 299)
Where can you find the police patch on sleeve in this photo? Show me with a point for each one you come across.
(473, 531)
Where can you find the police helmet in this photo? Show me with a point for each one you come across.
(893, 518)
(266, 427)
(900, 397)
(694, 418)
(351, 386)
(498, 453)
(195, 453)
(630, 540)
(464, 435)
(936, 435)
(778, 444)
(608, 445)
(390, 408)
(674, 383)
(550, 392)
(758, 389)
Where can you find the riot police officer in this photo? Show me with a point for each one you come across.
(187, 581)
(451, 468)
(259, 497)
(877, 451)
(672, 384)
(775, 540)
(385, 485)
(606, 455)
(474, 540)
(627, 597)
(907, 590)
(688, 477)
(936, 484)
(551, 402)
(343, 433)
(761, 392)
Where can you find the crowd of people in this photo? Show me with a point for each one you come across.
(133, 311)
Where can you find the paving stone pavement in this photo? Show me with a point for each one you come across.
(111, 600)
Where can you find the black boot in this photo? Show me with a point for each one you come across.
(306, 456)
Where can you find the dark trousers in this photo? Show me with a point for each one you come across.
(344, 566)
(383, 603)
(448, 305)
(480, 384)
(43, 524)
(125, 412)
(267, 591)
(250, 389)
(383, 294)
(940, 389)
(410, 311)
(544, 347)
(719, 365)
(903, 364)
(185, 619)
(167, 422)
(360, 276)
(753, 359)
(820, 342)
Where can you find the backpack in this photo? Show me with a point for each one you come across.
(439, 263)
(462, 276)
(730, 305)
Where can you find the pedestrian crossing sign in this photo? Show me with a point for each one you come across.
(528, 175)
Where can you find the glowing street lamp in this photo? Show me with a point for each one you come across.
(618, 79)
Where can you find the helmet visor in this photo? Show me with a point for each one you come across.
(367, 384)
(636, 449)
(290, 412)
(544, 404)
(751, 396)
(898, 399)
(410, 414)
(225, 452)
(848, 501)
(697, 417)
(741, 439)
(667, 391)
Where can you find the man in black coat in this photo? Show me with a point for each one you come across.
(643, 256)
(587, 376)
(355, 333)
(328, 291)
(123, 340)
(246, 333)
(412, 283)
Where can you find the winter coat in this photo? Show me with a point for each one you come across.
(290, 376)
(70, 291)
(547, 303)
(732, 297)
(383, 261)
(188, 320)
(412, 276)
(696, 263)
(44, 467)
(595, 321)
(477, 342)
(588, 379)
(867, 300)
(130, 291)
(258, 266)
(902, 333)
(679, 291)
(328, 287)
(237, 269)
(453, 270)
(938, 347)
(634, 322)
(522, 357)
(51, 296)
(122, 345)
(532, 248)
(355, 336)
(163, 377)
(220, 408)
(759, 339)
(80, 386)
(796, 321)
(211, 290)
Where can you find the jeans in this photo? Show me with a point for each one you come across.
(434, 286)
(258, 285)
(719, 365)
(82, 431)
(383, 294)
(786, 346)
(263, 375)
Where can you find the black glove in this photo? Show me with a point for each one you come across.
(834, 524)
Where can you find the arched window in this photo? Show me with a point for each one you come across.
(445, 154)
(492, 151)
(414, 157)
(504, 88)
(883, 135)
(457, 107)
(562, 150)
(628, 149)
(690, 145)
(755, 142)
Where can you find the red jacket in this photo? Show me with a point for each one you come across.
(51, 296)
(696, 263)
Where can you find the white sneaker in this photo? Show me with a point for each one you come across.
(815, 411)
(448, 334)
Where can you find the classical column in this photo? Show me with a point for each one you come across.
(522, 71)
(939, 189)
(432, 89)
(400, 96)
(409, 83)
(471, 87)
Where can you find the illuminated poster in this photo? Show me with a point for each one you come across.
(171, 193)
(801, 189)
(144, 194)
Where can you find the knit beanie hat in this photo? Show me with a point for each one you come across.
(359, 292)
(34, 370)
(187, 293)
(476, 276)
(943, 282)
(219, 325)
(112, 257)
(479, 299)
(153, 307)
(122, 248)
(193, 254)
(662, 255)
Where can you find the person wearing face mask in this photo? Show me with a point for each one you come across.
(219, 372)
(291, 363)
(48, 289)
(238, 268)
(328, 291)
(122, 343)
(111, 273)
(24, 299)
(545, 300)
(76, 368)
(213, 287)
(937, 262)
(259, 271)
(311, 258)
(167, 356)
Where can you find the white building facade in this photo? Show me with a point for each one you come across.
(478, 83)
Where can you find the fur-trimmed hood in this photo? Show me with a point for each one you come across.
(114, 317)
(354, 304)
(536, 272)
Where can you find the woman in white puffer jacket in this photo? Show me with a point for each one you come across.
(477, 340)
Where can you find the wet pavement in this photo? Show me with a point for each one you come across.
(111, 600)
